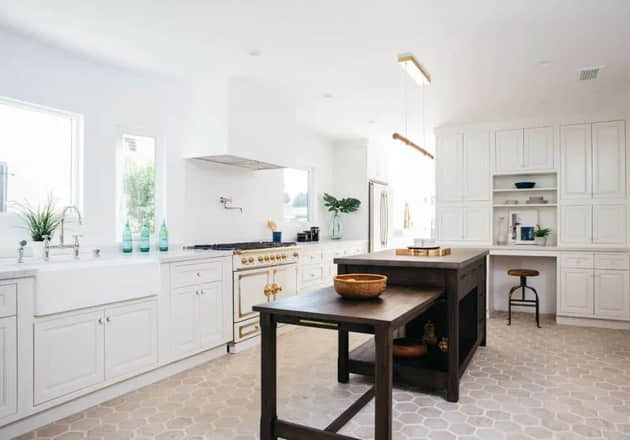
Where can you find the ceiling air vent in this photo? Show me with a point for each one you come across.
(589, 73)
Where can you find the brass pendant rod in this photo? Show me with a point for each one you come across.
(406, 141)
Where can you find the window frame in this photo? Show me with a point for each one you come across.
(76, 148)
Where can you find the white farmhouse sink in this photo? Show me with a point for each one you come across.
(70, 284)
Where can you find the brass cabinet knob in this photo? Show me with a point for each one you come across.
(251, 259)
(244, 260)
(268, 290)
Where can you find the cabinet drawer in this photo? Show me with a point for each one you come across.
(186, 274)
(612, 261)
(311, 274)
(8, 300)
(579, 261)
(310, 257)
(247, 329)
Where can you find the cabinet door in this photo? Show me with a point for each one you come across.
(477, 224)
(609, 224)
(68, 354)
(286, 278)
(476, 159)
(576, 161)
(449, 168)
(577, 224)
(212, 315)
(184, 331)
(450, 223)
(612, 294)
(249, 288)
(538, 151)
(576, 292)
(130, 339)
(609, 160)
(508, 150)
(8, 366)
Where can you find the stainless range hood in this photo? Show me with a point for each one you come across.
(228, 159)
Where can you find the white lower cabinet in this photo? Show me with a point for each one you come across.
(576, 292)
(587, 224)
(317, 268)
(77, 350)
(8, 366)
(69, 354)
(612, 294)
(130, 339)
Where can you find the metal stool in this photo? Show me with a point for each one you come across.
(523, 274)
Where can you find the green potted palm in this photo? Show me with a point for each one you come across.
(40, 222)
(337, 206)
(540, 235)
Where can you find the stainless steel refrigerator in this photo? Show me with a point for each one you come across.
(379, 218)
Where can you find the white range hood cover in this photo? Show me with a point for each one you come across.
(228, 159)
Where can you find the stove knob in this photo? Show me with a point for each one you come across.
(284, 256)
(273, 257)
(279, 257)
(261, 259)
(244, 260)
(251, 259)
(266, 257)
(295, 254)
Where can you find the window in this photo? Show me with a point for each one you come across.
(137, 183)
(296, 194)
(39, 155)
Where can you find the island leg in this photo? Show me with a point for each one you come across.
(269, 414)
(383, 382)
(452, 392)
(343, 373)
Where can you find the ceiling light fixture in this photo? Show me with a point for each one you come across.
(413, 68)
(255, 53)
(327, 95)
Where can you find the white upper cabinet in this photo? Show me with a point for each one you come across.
(609, 160)
(538, 152)
(576, 224)
(609, 224)
(449, 164)
(477, 224)
(593, 160)
(476, 164)
(575, 151)
(508, 150)
(450, 223)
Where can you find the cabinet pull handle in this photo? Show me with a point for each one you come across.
(198, 274)
(108, 319)
(100, 320)
(201, 292)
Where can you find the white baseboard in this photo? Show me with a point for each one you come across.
(588, 322)
(50, 415)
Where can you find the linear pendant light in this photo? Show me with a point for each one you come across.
(415, 71)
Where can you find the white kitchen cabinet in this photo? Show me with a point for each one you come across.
(212, 319)
(576, 224)
(449, 164)
(576, 161)
(68, 354)
(450, 223)
(609, 224)
(476, 167)
(609, 160)
(184, 333)
(476, 223)
(508, 150)
(576, 292)
(612, 294)
(8, 366)
(130, 338)
(286, 278)
(538, 151)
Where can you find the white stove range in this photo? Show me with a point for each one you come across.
(262, 272)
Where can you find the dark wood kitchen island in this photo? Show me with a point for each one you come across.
(461, 316)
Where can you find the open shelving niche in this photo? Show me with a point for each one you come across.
(546, 214)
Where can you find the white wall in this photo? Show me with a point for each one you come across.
(114, 100)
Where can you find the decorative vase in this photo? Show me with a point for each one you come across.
(540, 241)
(38, 250)
(336, 227)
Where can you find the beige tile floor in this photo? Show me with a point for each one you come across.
(556, 382)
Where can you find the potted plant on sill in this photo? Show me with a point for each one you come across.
(344, 206)
(39, 222)
(540, 235)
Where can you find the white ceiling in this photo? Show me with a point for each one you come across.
(483, 55)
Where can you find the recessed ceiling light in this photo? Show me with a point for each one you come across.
(371, 121)
(255, 53)
(544, 62)
(327, 95)
(413, 68)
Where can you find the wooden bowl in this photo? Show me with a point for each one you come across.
(360, 285)
(409, 348)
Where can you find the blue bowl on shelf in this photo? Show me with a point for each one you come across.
(525, 185)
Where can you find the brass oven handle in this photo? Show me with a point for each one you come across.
(276, 288)
(268, 290)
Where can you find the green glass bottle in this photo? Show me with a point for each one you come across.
(145, 238)
(127, 239)
(163, 237)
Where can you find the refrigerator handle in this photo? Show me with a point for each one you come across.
(386, 220)
(383, 219)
